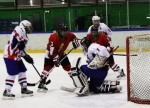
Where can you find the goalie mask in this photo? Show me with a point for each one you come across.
(85, 43)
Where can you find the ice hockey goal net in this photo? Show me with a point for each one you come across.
(138, 68)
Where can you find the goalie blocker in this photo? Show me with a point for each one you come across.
(96, 84)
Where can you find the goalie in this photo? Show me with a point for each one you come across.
(96, 70)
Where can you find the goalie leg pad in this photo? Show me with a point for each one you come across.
(80, 82)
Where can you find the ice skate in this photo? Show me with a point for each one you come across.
(121, 75)
(42, 87)
(7, 95)
(26, 93)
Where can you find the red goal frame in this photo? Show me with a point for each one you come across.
(129, 98)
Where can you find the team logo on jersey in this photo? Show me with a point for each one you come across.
(61, 47)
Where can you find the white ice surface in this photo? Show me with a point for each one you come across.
(56, 98)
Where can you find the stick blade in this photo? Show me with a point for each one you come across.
(67, 89)
(31, 84)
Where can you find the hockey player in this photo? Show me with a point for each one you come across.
(97, 37)
(102, 27)
(14, 50)
(55, 52)
(95, 71)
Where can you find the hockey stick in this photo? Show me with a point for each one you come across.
(66, 55)
(115, 49)
(34, 84)
(124, 55)
(69, 89)
(49, 81)
(111, 54)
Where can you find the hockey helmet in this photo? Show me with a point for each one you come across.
(27, 25)
(63, 27)
(95, 18)
(85, 43)
(93, 28)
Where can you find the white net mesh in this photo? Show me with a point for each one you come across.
(139, 67)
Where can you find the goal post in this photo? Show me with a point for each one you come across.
(138, 68)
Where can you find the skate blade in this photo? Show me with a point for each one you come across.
(27, 95)
(41, 90)
(8, 98)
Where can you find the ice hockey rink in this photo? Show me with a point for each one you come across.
(55, 97)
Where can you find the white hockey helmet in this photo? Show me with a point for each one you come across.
(27, 25)
(95, 18)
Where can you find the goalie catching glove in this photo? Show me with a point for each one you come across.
(97, 62)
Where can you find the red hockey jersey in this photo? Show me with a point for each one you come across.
(101, 39)
(57, 45)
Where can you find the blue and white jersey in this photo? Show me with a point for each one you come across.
(11, 50)
(102, 28)
(96, 49)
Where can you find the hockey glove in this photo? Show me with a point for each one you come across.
(28, 59)
(75, 43)
(110, 49)
(21, 45)
(56, 61)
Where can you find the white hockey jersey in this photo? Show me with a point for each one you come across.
(11, 50)
(97, 56)
(102, 28)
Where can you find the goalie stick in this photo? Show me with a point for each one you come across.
(49, 81)
(68, 89)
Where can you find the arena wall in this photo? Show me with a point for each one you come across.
(38, 41)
